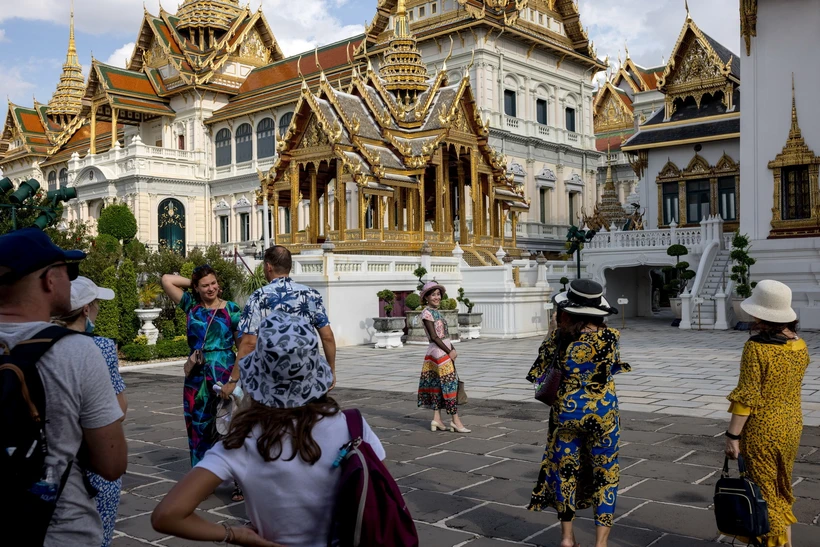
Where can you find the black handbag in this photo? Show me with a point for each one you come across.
(740, 509)
(550, 380)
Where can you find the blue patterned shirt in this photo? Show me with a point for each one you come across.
(284, 295)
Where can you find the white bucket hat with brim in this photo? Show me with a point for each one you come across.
(584, 297)
(770, 301)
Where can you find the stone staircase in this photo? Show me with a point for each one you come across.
(706, 312)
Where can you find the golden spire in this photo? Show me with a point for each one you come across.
(403, 69)
(67, 99)
(208, 14)
(794, 132)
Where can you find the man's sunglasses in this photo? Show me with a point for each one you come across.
(72, 269)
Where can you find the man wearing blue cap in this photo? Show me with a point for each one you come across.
(35, 285)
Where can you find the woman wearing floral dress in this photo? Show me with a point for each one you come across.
(767, 417)
(438, 385)
(580, 464)
(85, 297)
(212, 324)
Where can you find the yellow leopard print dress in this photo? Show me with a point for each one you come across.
(768, 391)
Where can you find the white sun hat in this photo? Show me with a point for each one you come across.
(770, 301)
(84, 291)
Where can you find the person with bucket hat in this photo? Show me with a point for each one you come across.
(580, 465)
(767, 419)
(80, 406)
(438, 383)
(85, 305)
(280, 448)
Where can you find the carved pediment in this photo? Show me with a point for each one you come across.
(696, 66)
(253, 49)
(727, 165)
(612, 114)
(314, 136)
(460, 122)
(155, 56)
(670, 170)
(698, 166)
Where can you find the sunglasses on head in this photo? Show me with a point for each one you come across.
(198, 268)
(72, 269)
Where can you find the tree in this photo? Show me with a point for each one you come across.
(420, 272)
(127, 291)
(136, 251)
(117, 220)
(464, 300)
(108, 319)
(680, 270)
(741, 271)
(105, 251)
(75, 236)
(388, 297)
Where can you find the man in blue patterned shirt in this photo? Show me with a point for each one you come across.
(282, 293)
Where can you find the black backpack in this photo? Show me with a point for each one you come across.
(30, 487)
(740, 509)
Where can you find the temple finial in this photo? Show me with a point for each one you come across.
(686, 5)
(626, 49)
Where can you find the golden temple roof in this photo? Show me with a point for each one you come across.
(403, 68)
(215, 14)
(67, 100)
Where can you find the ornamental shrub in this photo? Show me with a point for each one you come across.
(388, 297)
(136, 251)
(108, 319)
(118, 221)
(412, 301)
(105, 251)
(127, 293)
(172, 348)
(137, 352)
(448, 304)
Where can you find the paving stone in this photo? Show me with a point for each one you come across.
(500, 521)
(487, 542)
(512, 469)
(524, 437)
(671, 540)
(697, 495)
(125, 541)
(456, 461)
(806, 470)
(154, 489)
(433, 506)
(521, 425)
(523, 452)
(645, 437)
(401, 453)
(658, 452)
(424, 439)
(806, 509)
(684, 521)
(620, 536)
(131, 505)
(139, 527)
(477, 446)
(691, 442)
(131, 481)
(706, 458)
(501, 490)
(434, 480)
(669, 471)
(399, 470)
(805, 535)
(440, 537)
(809, 488)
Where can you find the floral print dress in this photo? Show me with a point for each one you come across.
(200, 402)
(438, 384)
(580, 465)
(108, 492)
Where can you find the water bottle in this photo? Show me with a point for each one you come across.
(48, 486)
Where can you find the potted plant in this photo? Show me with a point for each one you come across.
(469, 324)
(147, 312)
(680, 275)
(741, 275)
(415, 330)
(388, 329)
(420, 272)
(564, 282)
(449, 310)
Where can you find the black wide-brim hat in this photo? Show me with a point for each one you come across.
(584, 297)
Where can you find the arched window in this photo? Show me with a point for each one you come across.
(244, 143)
(63, 178)
(284, 122)
(223, 147)
(171, 223)
(52, 180)
(265, 139)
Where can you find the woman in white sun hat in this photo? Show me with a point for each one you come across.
(85, 305)
(767, 420)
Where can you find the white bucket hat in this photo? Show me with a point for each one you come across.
(770, 301)
(84, 291)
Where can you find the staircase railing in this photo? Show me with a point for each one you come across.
(724, 312)
(712, 240)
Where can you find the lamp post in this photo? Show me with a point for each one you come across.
(576, 238)
(27, 190)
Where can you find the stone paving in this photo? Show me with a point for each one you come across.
(472, 490)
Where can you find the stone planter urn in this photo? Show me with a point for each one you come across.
(469, 325)
(740, 315)
(451, 316)
(147, 316)
(676, 307)
(389, 331)
(415, 329)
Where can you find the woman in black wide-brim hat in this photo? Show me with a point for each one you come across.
(580, 465)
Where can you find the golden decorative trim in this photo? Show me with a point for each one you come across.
(748, 22)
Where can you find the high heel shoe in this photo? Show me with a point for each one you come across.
(455, 429)
(435, 426)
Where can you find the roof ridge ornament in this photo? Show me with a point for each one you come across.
(403, 69)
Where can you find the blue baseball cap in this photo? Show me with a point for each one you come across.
(28, 250)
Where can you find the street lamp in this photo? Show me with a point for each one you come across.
(26, 191)
(576, 238)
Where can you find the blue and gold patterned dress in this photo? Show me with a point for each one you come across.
(200, 402)
(580, 464)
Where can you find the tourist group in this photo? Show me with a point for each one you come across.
(260, 417)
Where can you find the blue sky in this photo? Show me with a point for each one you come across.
(34, 33)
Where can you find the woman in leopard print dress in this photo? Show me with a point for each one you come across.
(767, 419)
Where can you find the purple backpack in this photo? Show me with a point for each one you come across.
(370, 509)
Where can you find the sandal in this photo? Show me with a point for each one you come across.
(237, 495)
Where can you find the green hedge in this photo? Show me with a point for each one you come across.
(172, 348)
(138, 352)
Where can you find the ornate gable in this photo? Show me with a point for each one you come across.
(611, 111)
(698, 66)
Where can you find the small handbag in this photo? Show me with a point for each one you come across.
(197, 357)
(740, 509)
(550, 381)
(461, 396)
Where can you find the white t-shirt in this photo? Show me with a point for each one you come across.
(78, 396)
(289, 502)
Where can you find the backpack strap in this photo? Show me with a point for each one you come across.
(25, 356)
(355, 423)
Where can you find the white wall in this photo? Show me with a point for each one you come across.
(635, 285)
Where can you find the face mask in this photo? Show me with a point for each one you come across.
(89, 325)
